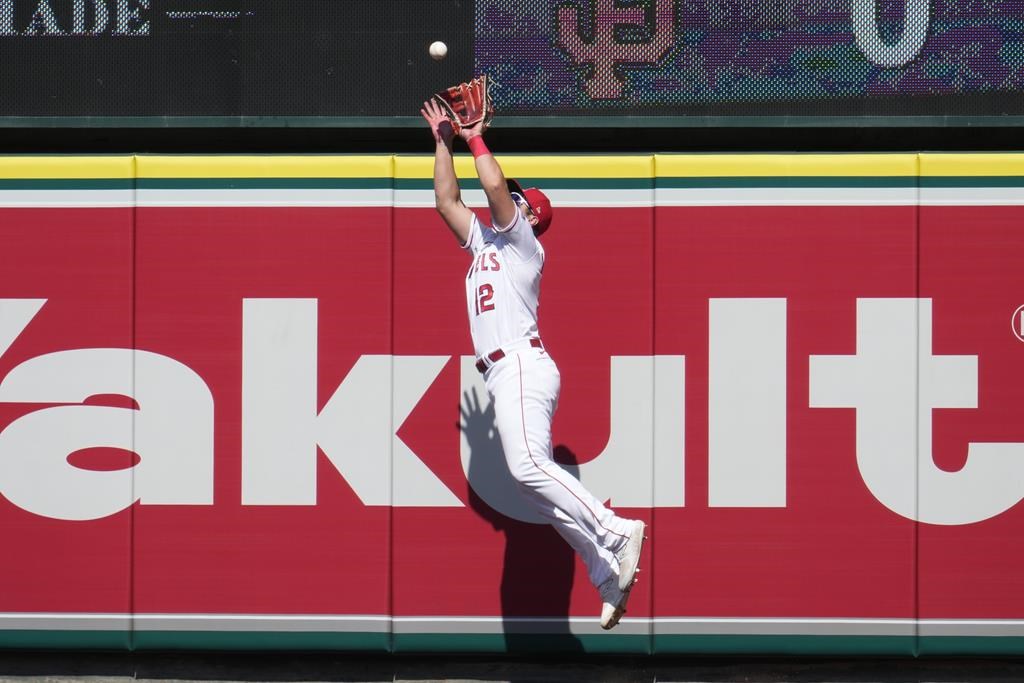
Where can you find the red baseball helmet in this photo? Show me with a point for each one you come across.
(538, 203)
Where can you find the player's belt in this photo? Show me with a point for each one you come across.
(494, 356)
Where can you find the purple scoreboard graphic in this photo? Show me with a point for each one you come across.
(754, 57)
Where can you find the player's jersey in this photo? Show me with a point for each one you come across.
(503, 283)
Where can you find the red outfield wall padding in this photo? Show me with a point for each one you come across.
(812, 405)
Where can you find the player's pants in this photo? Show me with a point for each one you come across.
(524, 388)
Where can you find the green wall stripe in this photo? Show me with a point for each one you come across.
(261, 640)
(788, 181)
(784, 645)
(498, 643)
(971, 645)
(972, 181)
(545, 183)
(64, 640)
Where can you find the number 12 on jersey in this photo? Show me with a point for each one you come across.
(484, 294)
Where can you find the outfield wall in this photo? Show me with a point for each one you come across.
(238, 407)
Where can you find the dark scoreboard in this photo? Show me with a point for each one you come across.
(305, 62)
(228, 58)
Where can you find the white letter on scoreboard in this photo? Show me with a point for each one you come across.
(44, 21)
(869, 39)
(129, 19)
(101, 17)
(7, 18)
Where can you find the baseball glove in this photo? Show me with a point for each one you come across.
(467, 104)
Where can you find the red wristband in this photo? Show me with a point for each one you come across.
(477, 146)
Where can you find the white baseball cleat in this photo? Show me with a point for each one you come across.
(614, 602)
(629, 556)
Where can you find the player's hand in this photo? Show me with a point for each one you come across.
(473, 131)
(439, 124)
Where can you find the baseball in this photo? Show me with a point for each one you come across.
(438, 50)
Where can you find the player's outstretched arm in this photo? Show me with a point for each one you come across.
(492, 179)
(447, 196)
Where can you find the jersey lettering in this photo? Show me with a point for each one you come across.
(486, 262)
(484, 295)
(503, 281)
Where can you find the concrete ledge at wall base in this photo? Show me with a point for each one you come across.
(279, 667)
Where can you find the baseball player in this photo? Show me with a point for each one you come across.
(502, 292)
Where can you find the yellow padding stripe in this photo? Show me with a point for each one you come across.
(423, 167)
(972, 165)
(380, 166)
(525, 166)
(66, 168)
(784, 165)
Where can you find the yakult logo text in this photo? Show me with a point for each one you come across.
(893, 381)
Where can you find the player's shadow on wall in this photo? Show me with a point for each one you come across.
(537, 574)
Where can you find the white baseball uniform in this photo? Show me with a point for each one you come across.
(502, 293)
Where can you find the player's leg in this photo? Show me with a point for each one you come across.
(600, 563)
(525, 390)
